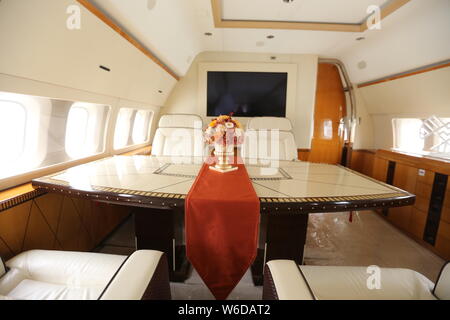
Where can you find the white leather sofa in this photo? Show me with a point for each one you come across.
(59, 275)
(179, 135)
(284, 280)
(269, 138)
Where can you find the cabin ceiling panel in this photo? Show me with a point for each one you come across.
(413, 37)
(285, 41)
(174, 30)
(329, 11)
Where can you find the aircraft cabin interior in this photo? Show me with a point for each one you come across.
(256, 150)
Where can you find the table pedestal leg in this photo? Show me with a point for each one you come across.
(285, 239)
(159, 229)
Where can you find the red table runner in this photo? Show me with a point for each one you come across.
(222, 219)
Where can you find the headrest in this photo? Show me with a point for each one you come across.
(181, 121)
(261, 123)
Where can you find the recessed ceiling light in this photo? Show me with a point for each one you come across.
(160, 91)
(151, 4)
(360, 38)
(270, 36)
(288, 1)
(260, 43)
(208, 34)
(362, 65)
(273, 58)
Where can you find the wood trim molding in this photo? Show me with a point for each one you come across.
(417, 161)
(371, 151)
(428, 68)
(99, 14)
(219, 22)
(18, 195)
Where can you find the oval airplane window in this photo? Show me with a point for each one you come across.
(12, 133)
(76, 132)
(23, 124)
(123, 128)
(85, 129)
(407, 135)
(141, 126)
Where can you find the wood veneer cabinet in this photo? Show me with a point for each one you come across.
(428, 220)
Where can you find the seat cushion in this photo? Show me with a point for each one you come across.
(58, 275)
(41, 274)
(181, 121)
(350, 283)
(38, 290)
(346, 283)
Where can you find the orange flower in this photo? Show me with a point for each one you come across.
(213, 123)
(223, 118)
(238, 124)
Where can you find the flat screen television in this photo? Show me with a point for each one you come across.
(247, 94)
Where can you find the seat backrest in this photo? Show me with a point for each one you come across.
(179, 135)
(442, 287)
(269, 138)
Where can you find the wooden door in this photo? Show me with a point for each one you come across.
(328, 140)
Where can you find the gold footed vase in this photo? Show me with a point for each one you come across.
(223, 154)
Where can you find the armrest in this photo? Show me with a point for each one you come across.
(442, 288)
(144, 275)
(288, 282)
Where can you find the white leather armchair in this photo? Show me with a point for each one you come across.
(59, 275)
(269, 138)
(284, 280)
(179, 135)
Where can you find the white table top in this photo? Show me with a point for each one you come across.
(173, 177)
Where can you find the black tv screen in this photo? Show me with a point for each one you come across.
(247, 94)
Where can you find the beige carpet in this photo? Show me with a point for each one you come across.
(332, 240)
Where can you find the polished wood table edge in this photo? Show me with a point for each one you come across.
(116, 196)
(267, 205)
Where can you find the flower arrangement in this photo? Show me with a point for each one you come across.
(224, 130)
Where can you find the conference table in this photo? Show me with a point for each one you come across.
(288, 191)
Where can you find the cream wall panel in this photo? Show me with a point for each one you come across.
(418, 96)
(185, 96)
(364, 130)
(425, 93)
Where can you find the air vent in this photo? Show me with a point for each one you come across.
(104, 68)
